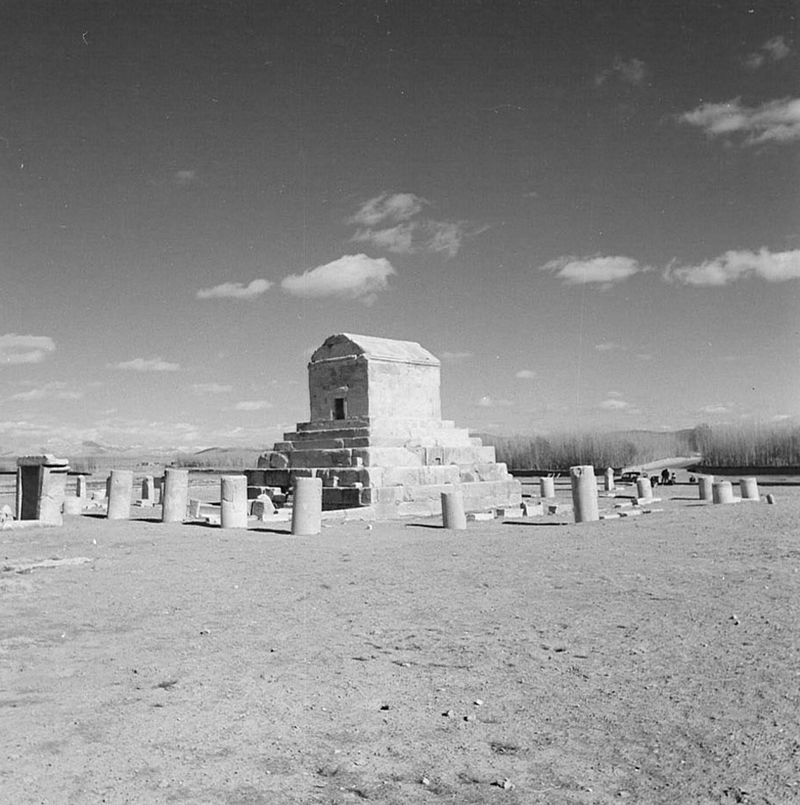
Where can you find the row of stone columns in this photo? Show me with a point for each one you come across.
(306, 509)
(722, 491)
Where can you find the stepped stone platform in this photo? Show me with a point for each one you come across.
(376, 437)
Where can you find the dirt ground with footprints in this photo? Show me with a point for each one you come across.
(650, 659)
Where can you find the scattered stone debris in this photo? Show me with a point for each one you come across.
(504, 783)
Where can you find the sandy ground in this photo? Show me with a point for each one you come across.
(652, 659)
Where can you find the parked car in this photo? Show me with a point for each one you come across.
(630, 477)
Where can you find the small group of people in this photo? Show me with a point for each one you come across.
(667, 478)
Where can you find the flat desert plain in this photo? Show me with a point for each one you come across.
(651, 659)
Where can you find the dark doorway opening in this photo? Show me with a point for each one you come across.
(339, 408)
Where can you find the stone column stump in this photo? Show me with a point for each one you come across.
(120, 488)
(584, 494)
(307, 506)
(233, 497)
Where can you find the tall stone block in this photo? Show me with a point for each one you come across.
(119, 494)
(80, 487)
(584, 493)
(175, 495)
(148, 491)
(644, 490)
(41, 485)
(547, 487)
(453, 515)
(307, 506)
(233, 497)
(608, 480)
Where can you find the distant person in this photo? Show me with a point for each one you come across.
(665, 476)
(654, 481)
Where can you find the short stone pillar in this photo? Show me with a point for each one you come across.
(547, 487)
(771, 499)
(453, 516)
(119, 495)
(644, 491)
(148, 491)
(233, 497)
(80, 487)
(722, 492)
(108, 487)
(263, 508)
(584, 494)
(749, 488)
(705, 484)
(174, 495)
(306, 506)
(41, 484)
(608, 480)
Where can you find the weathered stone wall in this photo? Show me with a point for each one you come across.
(344, 377)
(404, 390)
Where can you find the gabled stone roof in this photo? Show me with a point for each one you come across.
(370, 346)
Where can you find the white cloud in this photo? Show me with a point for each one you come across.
(717, 408)
(184, 178)
(490, 402)
(391, 207)
(735, 265)
(147, 365)
(252, 405)
(608, 346)
(56, 390)
(353, 276)
(393, 222)
(525, 374)
(211, 388)
(456, 356)
(614, 394)
(613, 404)
(775, 121)
(602, 270)
(773, 50)
(644, 356)
(632, 71)
(235, 290)
(17, 349)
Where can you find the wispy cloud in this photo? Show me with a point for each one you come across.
(775, 121)
(715, 408)
(18, 349)
(773, 50)
(211, 388)
(604, 271)
(631, 71)
(388, 207)
(525, 374)
(608, 346)
(235, 290)
(147, 365)
(252, 405)
(353, 276)
(455, 356)
(393, 221)
(613, 404)
(735, 265)
(184, 178)
(56, 390)
(490, 402)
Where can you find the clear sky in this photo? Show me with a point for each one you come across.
(590, 211)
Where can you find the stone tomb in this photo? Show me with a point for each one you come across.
(41, 482)
(376, 437)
